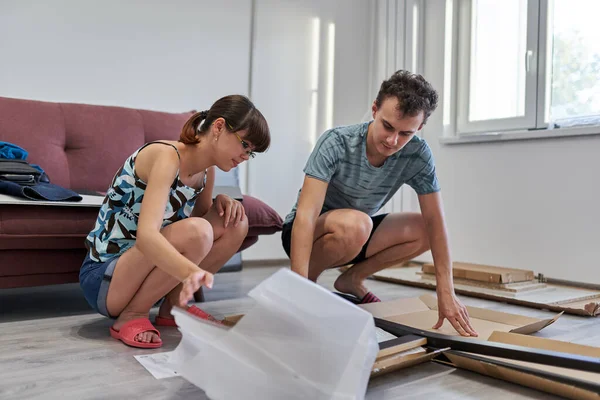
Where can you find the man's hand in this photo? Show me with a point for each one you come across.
(231, 210)
(450, 308)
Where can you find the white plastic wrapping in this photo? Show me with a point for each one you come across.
(300, 341)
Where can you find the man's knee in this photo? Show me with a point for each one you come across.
(353, 232)
(420, 232)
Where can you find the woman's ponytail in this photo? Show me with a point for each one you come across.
(190, 129)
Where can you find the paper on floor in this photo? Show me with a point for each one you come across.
(299, 341)
(162, 365)
(158, 364)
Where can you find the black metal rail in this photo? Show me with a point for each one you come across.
(482, 347)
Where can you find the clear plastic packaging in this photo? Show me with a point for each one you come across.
(299, 341)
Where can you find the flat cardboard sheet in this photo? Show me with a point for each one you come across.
(530, 380)
(422, 313)
(553, 297)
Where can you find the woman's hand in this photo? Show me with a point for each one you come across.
(231, 210)
(192, 283)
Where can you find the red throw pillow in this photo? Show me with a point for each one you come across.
(262, 219)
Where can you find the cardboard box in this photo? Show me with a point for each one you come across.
(422, 313)
(485, 273)
(531, 380)
(231, 320)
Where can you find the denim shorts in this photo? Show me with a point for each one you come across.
(94, 279)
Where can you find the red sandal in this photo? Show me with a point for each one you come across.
(131, 329)
(164, 321)
(367, 298)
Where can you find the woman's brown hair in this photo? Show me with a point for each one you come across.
(239, 113)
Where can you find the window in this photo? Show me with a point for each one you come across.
(527, 64)
(575, 62)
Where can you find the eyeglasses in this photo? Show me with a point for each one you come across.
(245, 145)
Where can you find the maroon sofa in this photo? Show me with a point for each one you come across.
(80, 147)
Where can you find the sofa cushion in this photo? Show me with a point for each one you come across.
(262, 219)
(160, 125)
(79, 145)
(97, 142)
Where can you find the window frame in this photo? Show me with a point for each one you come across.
(535, 122)
(465, 29)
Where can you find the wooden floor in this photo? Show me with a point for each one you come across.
(52, 346)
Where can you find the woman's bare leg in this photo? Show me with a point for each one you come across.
(137, 284)
(227, 242)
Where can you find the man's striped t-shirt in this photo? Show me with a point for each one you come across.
(340, 158)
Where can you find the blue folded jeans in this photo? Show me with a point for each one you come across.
(41, 191)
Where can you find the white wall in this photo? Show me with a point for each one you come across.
(182, 55)
(168, 56)
(282, 79)
(523, 204)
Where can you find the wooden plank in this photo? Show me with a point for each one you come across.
(485, 273)
(514, 287)
(401, 360)
(400, 344)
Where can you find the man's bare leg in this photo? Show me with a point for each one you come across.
(339, 237)
(399, 237)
